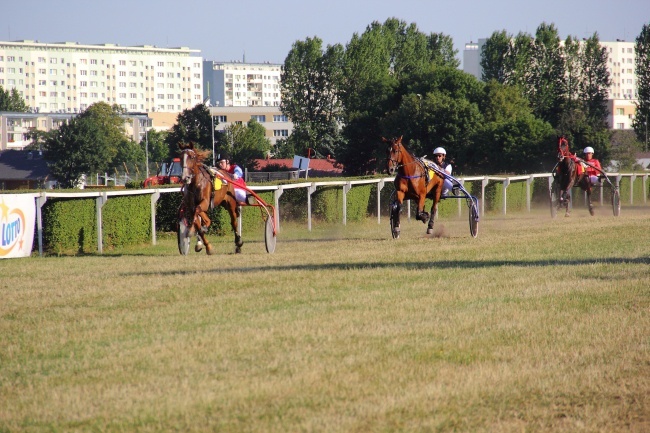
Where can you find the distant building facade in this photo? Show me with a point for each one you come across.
(621, 65)
(68, 77)
(238, 84)
(277, 125)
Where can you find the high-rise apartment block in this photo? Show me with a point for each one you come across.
(68, 77)
(239, 84)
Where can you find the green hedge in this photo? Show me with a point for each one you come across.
(70, 225)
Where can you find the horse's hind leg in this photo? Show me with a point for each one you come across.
(432, 217)
(234, 214)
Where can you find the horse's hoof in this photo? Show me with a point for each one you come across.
(429, 231)
(198, 247)
(591, 211)
(237, 249)
(209, 250)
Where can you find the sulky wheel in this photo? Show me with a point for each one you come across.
(473, 219)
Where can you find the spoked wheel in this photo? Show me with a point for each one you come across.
(269, 234)
(183, 234)
(616, 202)
(473, 218)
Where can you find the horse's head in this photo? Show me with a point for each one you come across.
(189, 165)
(394, 154)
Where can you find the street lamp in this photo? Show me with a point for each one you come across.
(146, 147)
(214, 163)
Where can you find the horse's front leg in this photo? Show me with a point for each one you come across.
(422, 215)
(201, 223)
(434, 209)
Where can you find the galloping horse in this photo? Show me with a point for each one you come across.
(413, 181)
(201, 192)
(568, 175)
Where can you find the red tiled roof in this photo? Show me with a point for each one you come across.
(321, 165)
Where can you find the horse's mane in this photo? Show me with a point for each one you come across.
(201, 155)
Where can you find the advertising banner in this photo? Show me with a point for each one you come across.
(17, 217)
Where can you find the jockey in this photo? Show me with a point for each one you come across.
(223, 163)
(591, 172)
(439, 155)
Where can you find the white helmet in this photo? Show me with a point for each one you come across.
(439, 150)
(588, 149)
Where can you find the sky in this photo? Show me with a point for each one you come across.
(258, 31)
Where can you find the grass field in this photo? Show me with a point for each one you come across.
(538, 325)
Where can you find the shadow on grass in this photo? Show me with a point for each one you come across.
(442, 264)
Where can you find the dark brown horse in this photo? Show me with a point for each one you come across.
(202, 192)
(413, 181)
(567, 175)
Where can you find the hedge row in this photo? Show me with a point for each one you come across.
(69, 225)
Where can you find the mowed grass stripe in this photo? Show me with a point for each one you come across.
(539, 324)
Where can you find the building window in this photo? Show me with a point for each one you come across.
(280, 132)
(620, 126)
(280, 118)
(259, 117)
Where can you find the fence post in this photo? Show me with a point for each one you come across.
(276, 202)
(380, 186)
(39, 221)
(154, 199)
(346, 188)
(632, 179)
(484, 183)
(529, 182)
(460, 208)
(310, 190)
(645, 191)
(506, 182)
(100, 202)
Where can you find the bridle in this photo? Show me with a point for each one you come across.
(188, 174)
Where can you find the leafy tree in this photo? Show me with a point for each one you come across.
(88, 143)
(545, 85)
(441, 49)
(493, 57)
(595, 82)
(158, 149)
(245, 143)
(311, 81)
(642, 69)
(192, 125)
(12, 101)
(625, 146)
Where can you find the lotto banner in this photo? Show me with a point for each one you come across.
(17, 216)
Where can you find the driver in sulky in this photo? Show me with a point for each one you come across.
(439, 156)
(591, 171)
(223, 163)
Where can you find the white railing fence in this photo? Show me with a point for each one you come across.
(103, 196)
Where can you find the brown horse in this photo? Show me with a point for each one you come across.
(201, 192)
(413, 181)
(567, 174)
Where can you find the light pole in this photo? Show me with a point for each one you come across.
(214, 163)
(146, 147)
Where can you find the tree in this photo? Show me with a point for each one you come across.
(12, 101)
(441, 49)
(625, 146)
(311, 81)
(493, 57)
(192, 125)
(88, 143)
(158, 148)
(545, 85)
(595, 82)
(245, 143)
(642, 69)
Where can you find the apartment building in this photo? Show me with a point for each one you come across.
(15, 127)
(68, 77)
(277, 125)
(621, 64)
(240, 84)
